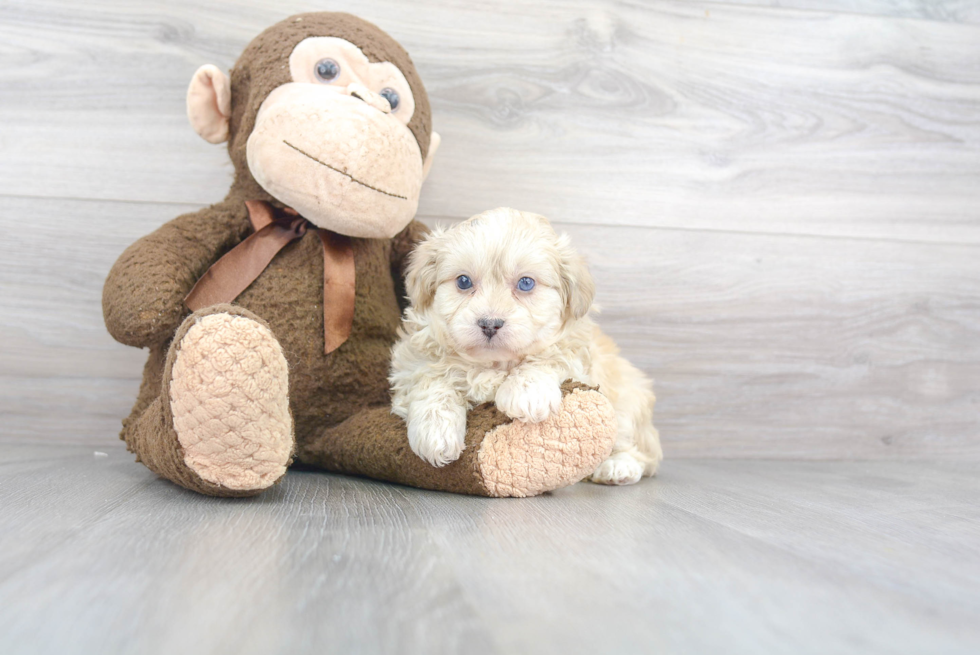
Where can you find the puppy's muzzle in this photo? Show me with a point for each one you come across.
(490, 326)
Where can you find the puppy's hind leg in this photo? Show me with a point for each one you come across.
(637, 452)
(629, 463)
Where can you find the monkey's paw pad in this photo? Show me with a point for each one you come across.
(620, 469)
(526, 459)
(229, 395)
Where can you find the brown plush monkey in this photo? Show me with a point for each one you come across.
(329, 130)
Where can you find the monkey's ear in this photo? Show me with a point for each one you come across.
(209, 103)
(578, 286)
(434, 142)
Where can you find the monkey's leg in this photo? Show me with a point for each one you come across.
(502, 457)
(221, 425)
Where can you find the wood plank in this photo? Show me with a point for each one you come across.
(739, 526)
(950, 11)
(690, 115)
(762, 346)
(158, 569)
(827, 348)
(62, 377)
(710, 557)
(39, 517)
(795, 347)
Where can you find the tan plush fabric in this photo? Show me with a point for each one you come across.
(501, 459)
(147, 285)
(339, 401)
(229, 396)
(264, 65)
(374, 443)
(150, 433)
(526, 459)
(209, 103)
(381, 168)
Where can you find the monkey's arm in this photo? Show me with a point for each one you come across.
(401, 246)
(501, 458)
(143, 296)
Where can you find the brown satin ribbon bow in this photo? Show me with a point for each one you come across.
(238, 268)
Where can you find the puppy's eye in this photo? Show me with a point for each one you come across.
(463, 283)
(525, 284)
(326, 70)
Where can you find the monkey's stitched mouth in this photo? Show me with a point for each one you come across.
(345, 174)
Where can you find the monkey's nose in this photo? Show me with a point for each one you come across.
(490, 326)
(361, 92)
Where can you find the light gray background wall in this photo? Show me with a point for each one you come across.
(780, 200)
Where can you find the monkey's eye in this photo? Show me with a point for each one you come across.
(327, 70)
(463, 283)
(525, 284)
(391, 96)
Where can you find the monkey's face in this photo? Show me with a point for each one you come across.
(334, 141)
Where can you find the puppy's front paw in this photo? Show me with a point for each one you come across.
(618, 469)
(437, 434)
(528, 397)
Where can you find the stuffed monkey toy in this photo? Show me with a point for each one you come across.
(270, 316)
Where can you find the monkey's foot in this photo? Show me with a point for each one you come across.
(229, 400)
(526, 459)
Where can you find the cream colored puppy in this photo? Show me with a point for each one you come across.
(500, 311)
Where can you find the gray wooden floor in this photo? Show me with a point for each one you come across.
(780, 203)
(715, 556)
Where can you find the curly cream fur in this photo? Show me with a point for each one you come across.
(444, 362)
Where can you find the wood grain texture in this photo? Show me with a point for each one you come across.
(950, 11)
(780, 204)
(99, 556)
(793, 347)
(761, 346)
(62, 377)
(677, 114)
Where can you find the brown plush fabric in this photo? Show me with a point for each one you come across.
(373, 443)
(143, 300)
(339, 401)
(526, 459)
(143, 297)
(260, 69)
(149, 432)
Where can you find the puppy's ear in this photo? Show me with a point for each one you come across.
(577, 284)
(421, 275)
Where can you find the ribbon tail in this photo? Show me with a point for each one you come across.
(338, 289)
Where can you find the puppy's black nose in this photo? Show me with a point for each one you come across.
(490, 326)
